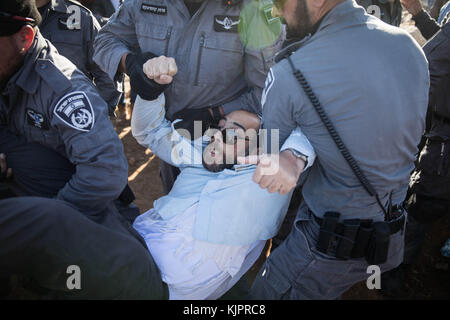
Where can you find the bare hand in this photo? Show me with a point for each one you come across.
(412, 6)
(276, 173)
(5, 172)
(161, 69)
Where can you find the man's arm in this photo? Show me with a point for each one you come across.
(151, 129)
(107, 88)
(92, 145)
(115, 40)
(280, 172)
(427, 25)
(437, 52)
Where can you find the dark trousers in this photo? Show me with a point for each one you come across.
(37, 170)
(44, 238)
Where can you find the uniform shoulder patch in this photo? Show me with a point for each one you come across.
(268, 85)
(75, 110)
(268, 16)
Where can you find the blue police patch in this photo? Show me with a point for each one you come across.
(36, 119)
(75, 110)
(268, 85)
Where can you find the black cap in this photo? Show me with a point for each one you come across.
(16, 13)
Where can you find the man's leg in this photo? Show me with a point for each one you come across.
(41, 238)
(296, 270)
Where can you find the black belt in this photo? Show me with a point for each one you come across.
(395, 225)
(354, 238)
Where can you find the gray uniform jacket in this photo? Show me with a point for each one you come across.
(217, 64)
(51, 102)
(72, 29)
(376, 99)
(437, 51)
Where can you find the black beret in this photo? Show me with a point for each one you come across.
(16, 13)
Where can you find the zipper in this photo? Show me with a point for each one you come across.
(168, 35)
(441, 163)
(199, 57)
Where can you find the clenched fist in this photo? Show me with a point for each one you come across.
(276, 173)
(161, 69)
(413, 6)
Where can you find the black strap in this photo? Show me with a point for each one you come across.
(335, 136)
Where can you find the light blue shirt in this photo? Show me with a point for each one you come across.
(232, 209)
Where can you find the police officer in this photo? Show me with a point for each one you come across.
(222, 49)
(72, 29)
(428, 197)
(46, 100)
(340, 227)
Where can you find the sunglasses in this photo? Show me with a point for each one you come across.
(13, 18)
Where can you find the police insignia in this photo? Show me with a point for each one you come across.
(75, 110)
(36, 119)
(268, 85)
(226, 23)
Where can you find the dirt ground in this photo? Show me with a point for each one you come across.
(428, 279)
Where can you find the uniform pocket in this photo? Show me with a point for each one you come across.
(44, 137)
(153, 38)
(278, 285)
(219, 59)
(71, 45)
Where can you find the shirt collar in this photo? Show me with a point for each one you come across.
(26, 78)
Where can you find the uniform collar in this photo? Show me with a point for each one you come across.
(334, 16)
(58, 6)
(26, 78)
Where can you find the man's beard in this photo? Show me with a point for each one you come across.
(216, 167)
(304, 25)
(14, 64)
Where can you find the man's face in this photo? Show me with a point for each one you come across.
(228, 142)
(296, 15)
(10, 59)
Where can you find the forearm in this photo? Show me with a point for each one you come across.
(426, 25)
(151, 129)
(114, 41)
(108, 89)
(298, 142)
(249, 101)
